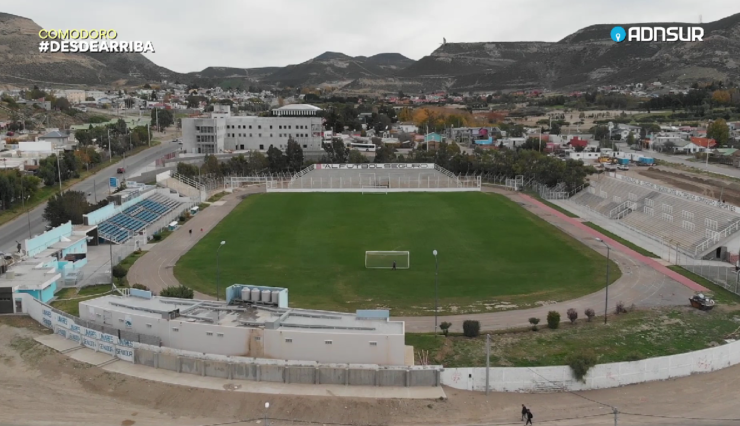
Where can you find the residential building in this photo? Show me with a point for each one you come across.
(95, 94)
(74, 96)
(57, 138)
(224, 132)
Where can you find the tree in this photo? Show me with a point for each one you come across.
(257, 162)
(669, 146)
(210, 165)
(186, 169)
(553, 319)
(471, 328)
(62, 208)
(534, 321)
(119, 272)
(165, 117)
(179, 291)
(336, 151)
(719, 131)
(61, 104)
(590, 314)
(356, 157)
(385, 154)
(276, 159)
(445, 327)
(572, 315)
(294, 155)
(631, 139)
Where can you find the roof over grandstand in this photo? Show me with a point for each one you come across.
(297, 109)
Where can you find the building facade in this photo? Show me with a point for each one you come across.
(224, 132)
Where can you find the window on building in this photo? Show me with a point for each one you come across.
(262, 147)
(148, 326)
(373, 343)
(250, 135)
(288, 340)
(220, 334)
(257, 338)
(175, 329)
(259, 127)
(328, 342)
(197, 127)
(270, 134)
(280, 127)
(260, 135)
(250, 126)
(209, 333)
(305, 146)
(270, 126)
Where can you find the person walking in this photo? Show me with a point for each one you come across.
(191, 232)
(529, 417)
(524, 412)
(394, 265)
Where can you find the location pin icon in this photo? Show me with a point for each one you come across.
(618, 36)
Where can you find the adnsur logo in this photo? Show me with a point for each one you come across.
(665, 34)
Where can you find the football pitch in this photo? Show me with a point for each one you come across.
(490, 251)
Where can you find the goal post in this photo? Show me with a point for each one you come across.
(376, 189)
(385, 259)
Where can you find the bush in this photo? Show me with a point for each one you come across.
(157, 237)
(581, 363)
(140, 287)
(590, 314)
(445, 327)
(572, 315)
(534, 321)
(471, 328)
(620, 309)
(177, 291)
(553, 319)
(119, 272)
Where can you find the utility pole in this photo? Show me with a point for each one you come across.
(59, 170)
(110, 156)
(488, 363)
(28, 214)
(148, 135)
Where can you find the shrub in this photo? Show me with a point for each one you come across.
(572, 315)
(140, 287)
(471, 328)
(177, 291)
(553, 319)
(119, 272)
(534, 321)
(590, 314)
(620, 309)
(157, 237)
(580, 363)
(445, 327)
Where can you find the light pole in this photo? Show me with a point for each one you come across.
(218, 271)
(606, 300)
(267, 405)
(28, 214)
(436, 289)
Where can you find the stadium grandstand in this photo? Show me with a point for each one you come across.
(122, 226)
(693, 225)
(396, 177)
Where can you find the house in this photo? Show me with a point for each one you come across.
(58, 138)
(705, 143)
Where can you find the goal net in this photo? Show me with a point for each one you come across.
(377, 189)
(385, 259)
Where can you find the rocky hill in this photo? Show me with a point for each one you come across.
(587, 57)
(21, 62)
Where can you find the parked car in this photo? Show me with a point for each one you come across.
(623, 167)
(121, 170)
(9, 134)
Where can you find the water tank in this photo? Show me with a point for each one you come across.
(246, 294)
(275, 297)
(255, 295)
(266, 296)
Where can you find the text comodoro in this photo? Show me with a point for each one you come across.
(78, 34)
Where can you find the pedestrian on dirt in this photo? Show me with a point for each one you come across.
(529, 417)
(191, 232)
(524, 412)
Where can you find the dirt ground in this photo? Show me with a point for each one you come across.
(41, 387)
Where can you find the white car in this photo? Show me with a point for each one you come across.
(623, 167)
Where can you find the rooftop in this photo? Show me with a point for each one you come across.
(28, 276)
(300, 107)
(255, 316)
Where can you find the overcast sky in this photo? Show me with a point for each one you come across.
(191, 35)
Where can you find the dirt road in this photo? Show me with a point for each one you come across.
(41, 387)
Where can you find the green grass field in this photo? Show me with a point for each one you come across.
(490, 251)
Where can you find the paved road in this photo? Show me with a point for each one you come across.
(155, 268)
(682, 159)
(18, 229)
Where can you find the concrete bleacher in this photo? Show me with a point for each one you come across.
(694, 227)
(121, 227)
(423, 176)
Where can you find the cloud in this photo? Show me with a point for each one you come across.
(191, 35)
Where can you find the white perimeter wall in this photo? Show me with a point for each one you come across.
(381, 190)
(538, 379)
